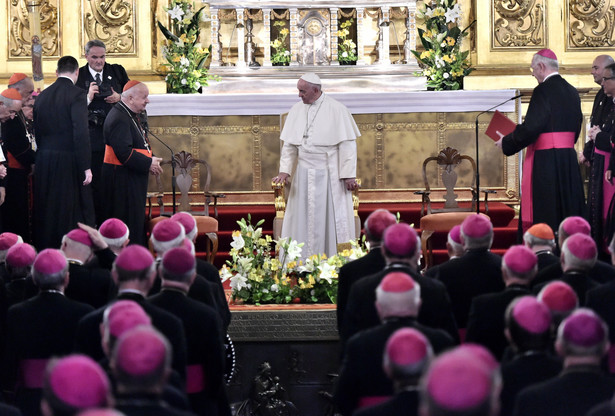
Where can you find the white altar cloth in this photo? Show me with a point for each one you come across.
(357, 102)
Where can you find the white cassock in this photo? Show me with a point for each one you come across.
(321, 139)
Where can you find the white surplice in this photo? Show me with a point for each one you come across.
(320, 138)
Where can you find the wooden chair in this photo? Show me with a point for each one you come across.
(207, 226)
(444, 219)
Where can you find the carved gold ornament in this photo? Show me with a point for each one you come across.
(19, 28)
(111, 21)
(518, 23)
(591, 23)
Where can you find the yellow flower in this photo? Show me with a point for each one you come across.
(447, 58)
(425, 54)
(292, 264)
(276, 43)
(450, 41)
(183, 37)
(438, 11)
(284, 32)
(236, 233)
(196, 73)
(177, 58)
(255, 275)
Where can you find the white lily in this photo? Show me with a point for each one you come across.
(453, 14)
(238, 282)
(293, 251)
(176, 12)
(328, 272)
(225, 273)
(238, 242)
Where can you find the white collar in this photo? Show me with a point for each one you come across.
(94, 73)
(550, 75)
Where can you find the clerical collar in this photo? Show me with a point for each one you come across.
(550, 75)
(52, 291)
(75, 261)
(135, 291)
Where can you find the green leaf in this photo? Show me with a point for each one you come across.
(166, 32)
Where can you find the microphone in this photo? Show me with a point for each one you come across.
(477, 155)
(143, 117)
(500, 104)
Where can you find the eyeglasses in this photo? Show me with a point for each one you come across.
(607, 78)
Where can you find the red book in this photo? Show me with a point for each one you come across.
(500, 126)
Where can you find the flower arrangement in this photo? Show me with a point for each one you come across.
(186, 70)
(443, 62)
(257, 277)
(346, 48)
(281, 56)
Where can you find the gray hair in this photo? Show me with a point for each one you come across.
(548, 62)
(94, 43)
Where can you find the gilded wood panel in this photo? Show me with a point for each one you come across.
(19, 38)
(113, 22)
(518, 24)
(590, 24)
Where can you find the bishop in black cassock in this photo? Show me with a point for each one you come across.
(552, 188)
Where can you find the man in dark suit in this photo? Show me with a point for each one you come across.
(168, 234)
(140, 363)
(205, 269)
(204, 333)
(552, 186)
(596, 154)
(91, 285)
(582, 341)
(528, 329)
(39, 329)
(362, 379)
(62, 175)
(486, 319)
(406, 355)
(541, 240)
(134, 272)
(579, 255)
(104, 84)
(601, 272)
(401, 249)
(477, 272)
(371, 263)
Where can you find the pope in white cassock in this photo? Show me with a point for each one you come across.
(319, 135)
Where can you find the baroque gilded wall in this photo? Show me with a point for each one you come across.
(126, 27)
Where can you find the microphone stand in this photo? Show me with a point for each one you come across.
(173, 180)
(477, 156)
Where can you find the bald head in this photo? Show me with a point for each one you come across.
(135, 98)
(8, 108)
(600, 62)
